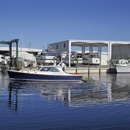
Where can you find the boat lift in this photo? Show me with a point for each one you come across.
(10, 50)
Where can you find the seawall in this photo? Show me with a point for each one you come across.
(73, 70)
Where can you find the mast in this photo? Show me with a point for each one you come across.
(32, 43)
(21, 41)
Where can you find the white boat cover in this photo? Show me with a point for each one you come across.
(26, 58)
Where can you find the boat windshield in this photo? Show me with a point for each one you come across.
(48, 54)
(51, 69)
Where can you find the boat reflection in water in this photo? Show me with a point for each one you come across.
(13, 102)
(121, 86)
(115, 88)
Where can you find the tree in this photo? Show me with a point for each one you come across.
(54, 60)
(128, 58)
(111, 61)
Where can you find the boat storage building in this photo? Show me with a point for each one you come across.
(115, 50)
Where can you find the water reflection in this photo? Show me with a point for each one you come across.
(13, 98)
(120, 86)
(109, 88)
(100, 103)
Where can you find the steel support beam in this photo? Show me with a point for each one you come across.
(10, 49)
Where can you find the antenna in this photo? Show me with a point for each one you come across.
(29, 47)
(21, 41)
(32, 43)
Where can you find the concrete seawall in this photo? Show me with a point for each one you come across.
(86, 70)
(80, 70)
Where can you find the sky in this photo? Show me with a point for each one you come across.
(37, 23)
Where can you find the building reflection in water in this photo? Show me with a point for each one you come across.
(13, 96)
(113, 87)
(121, 86)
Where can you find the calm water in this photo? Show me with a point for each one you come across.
(101, 103)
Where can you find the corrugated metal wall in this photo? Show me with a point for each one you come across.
(120, 51)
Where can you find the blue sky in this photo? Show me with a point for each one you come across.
(40, 22)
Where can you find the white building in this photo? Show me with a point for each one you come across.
(115, 49)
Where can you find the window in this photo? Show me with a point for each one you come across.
(44, 69)
(43, 54)
(56, 46)
(53, 69)
(64, 45)
(50, 54)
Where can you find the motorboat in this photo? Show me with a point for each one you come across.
(44, 73)
(91, 58)
(27, 59)
(47, 56)
(123, 66)
(73, 55)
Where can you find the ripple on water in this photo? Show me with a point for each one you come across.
(100, 103)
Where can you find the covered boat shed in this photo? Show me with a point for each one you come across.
(116, 49)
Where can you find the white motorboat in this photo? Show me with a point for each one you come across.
(91, 58)
(44, 73)
(47, 56)
(123, 66)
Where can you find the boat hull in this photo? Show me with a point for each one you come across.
(122, 69)
(18, 75)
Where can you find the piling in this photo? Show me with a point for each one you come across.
(84, 78)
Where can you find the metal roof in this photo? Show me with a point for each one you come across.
(92, 42)
(20, 49)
